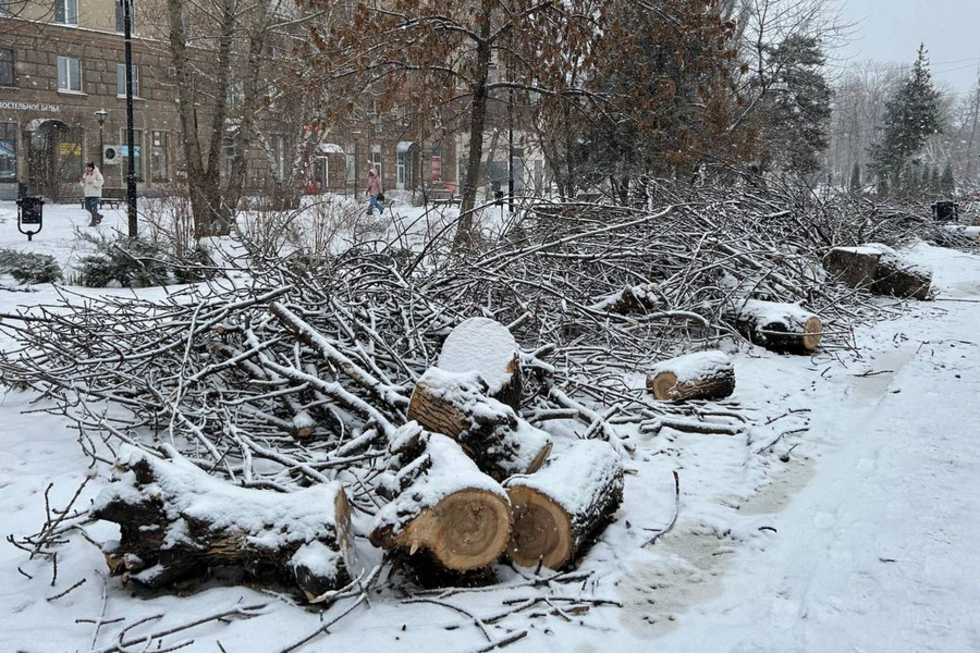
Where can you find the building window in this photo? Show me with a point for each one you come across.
(228, 151)
(160, 157)
(8, 151)
(376, 162)
(279, 157)
(400, 169)
(66, 12)
(7, 68)
(350, 166)
(69, 75)
(121, 80)
(137, 151)
(5, 8)
(121, 17)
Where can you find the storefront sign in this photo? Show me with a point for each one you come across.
(29, 106)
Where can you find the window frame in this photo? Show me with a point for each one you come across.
(61, 13)
(13, 68)
(69, 78)
(164, 147)
(121, 81)
(10, 135)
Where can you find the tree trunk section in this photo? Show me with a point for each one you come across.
(177, 522)
(783, 328)
(443, 507)
(899, 277)
(561, 510)
(486, 347)
(704, 375)
(854, 266)
(490, 432)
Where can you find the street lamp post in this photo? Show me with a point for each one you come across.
(101, 116)
(127, 6)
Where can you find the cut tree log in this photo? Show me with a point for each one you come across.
(702, 375)
(456, 404)
(177, 522)
(563, 508)
(854, 266)
(443, 505)
(880, 269)
(632, 300)
(487, 347)
(783, 328)
(899, 277)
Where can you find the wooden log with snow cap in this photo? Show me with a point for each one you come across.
(853, 266)
(491, 433)
(178, 522)
(487, 347)
(898, 277)
(702, 375)
(783, 328)
(632, 300)
(443, 506)
(563, 508)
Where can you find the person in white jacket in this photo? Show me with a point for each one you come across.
(92, 183)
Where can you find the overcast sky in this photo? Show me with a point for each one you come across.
(891, 30)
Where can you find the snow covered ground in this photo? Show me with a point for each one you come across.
(856, 534)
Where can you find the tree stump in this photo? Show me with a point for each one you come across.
(703, 375)
(854, 266)
(562, 509)
(491, 433)
(178, 522)
(783, 328)
(442, 505)
(487, 347)
(899, 277)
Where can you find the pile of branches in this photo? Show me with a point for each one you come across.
(280, 372)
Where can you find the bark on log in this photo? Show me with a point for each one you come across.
(783, 328)
(178, 522)
(899, 277)
(703, 375)
(488, 348)
(562, 509)
(632, 300)
(443, 505)
(491, 433)
(854, 266)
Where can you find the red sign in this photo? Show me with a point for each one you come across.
(437, 168)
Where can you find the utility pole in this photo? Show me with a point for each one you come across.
(130, 145)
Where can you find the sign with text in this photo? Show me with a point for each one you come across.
(29, 106)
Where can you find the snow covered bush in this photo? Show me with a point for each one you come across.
(29, 267)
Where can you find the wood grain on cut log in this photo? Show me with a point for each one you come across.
(561, 509)
(702, 375)
(457, 405)
(178, 522)
(783, 328)
(445, 508)
(853, 266)
(487, 347)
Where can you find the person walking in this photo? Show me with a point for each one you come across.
(92, 182)
(375, 192)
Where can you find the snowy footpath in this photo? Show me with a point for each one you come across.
(860, 534)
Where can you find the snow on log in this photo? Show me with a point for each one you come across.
(779, 327)
(631, 300)
(880, 269)
(854, 266)
(443, 505)
(561, 509)
(899, 277)
(178, 522)
(457, 405)
(702, 375)
(487, 347)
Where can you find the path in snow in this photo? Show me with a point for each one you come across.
(879, 551)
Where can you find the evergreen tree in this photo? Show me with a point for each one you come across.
(856, 178)
(934, 183)
(911, 117)
(883, 189)
(947, 182)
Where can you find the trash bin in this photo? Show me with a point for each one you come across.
(945, 211)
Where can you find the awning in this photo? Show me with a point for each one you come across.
(331, 148)
(404, 146)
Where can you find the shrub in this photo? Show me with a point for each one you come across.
(29, 267)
